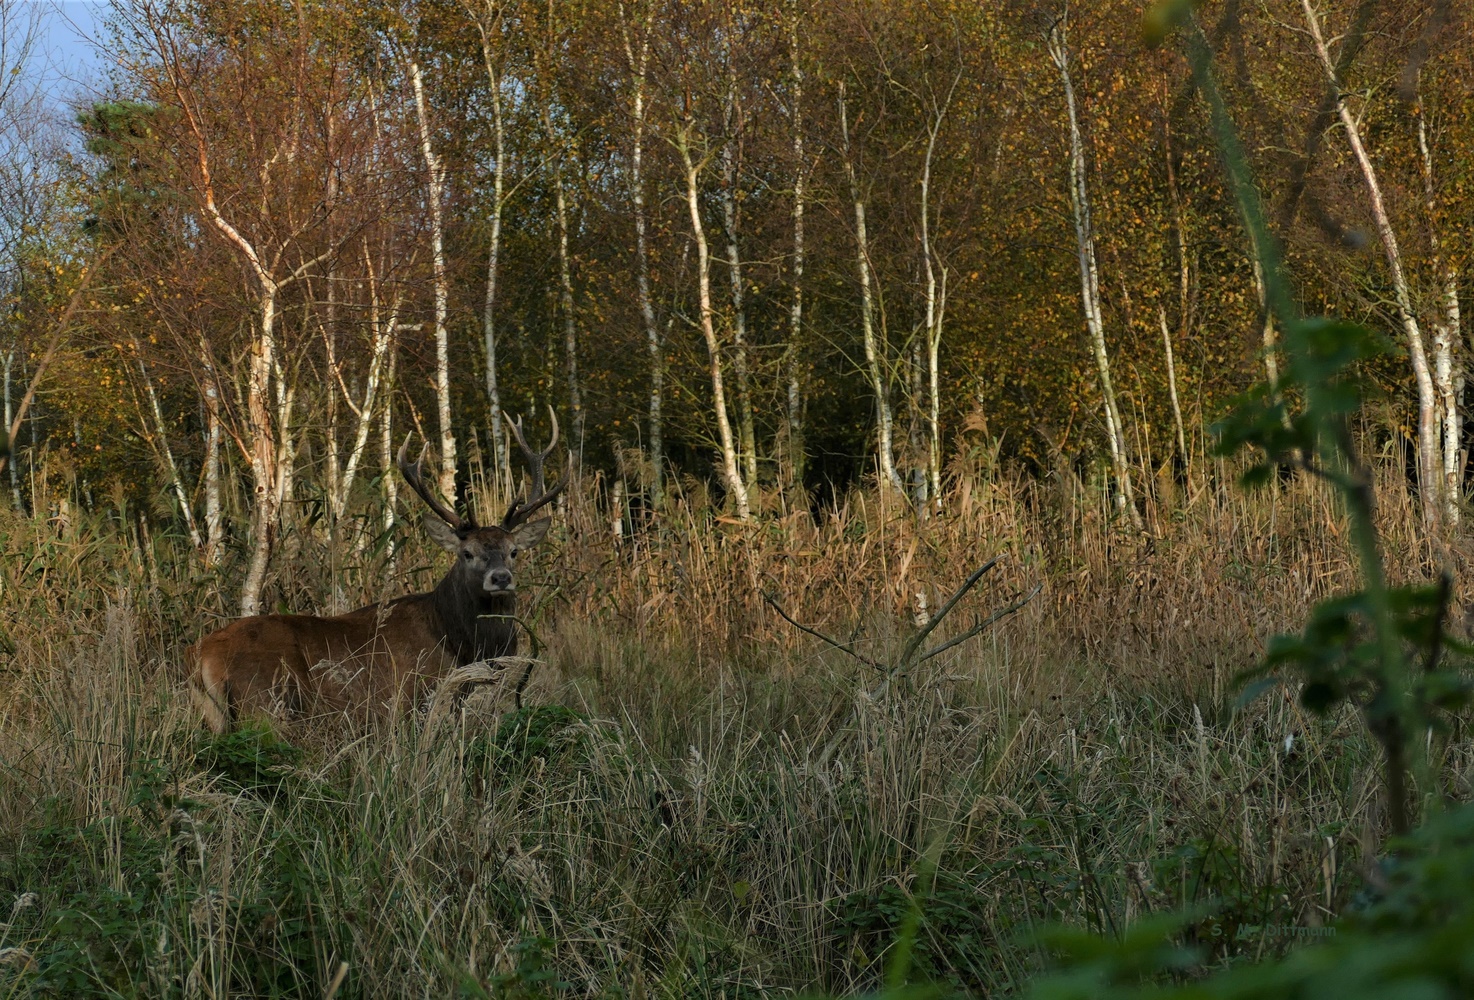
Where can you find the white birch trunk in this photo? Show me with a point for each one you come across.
(176, 484)
(436, 173)
(935, 309)
(731, 472)
(493, 254)
(1447, 339)
(385, 329)
(639, 72)
(570, 328)
(879, 384)
(796, 452)
(213, 537)
(1172, 390)
(1090, 286)
(9, 419)
(1430, 465)
(731, 215)
(386, 446)
(263, 452)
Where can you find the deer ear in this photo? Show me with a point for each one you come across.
(529, 534)
(443, 534)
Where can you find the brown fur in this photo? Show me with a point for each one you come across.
(374, 660)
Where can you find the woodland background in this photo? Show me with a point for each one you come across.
(766, 250)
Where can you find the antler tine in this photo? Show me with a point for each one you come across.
(517, 513)
(535, 459)
(415, 476)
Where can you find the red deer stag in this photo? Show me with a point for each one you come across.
(388, 654)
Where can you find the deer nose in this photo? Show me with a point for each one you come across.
(498, 579)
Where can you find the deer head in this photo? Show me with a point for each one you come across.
(486, 555)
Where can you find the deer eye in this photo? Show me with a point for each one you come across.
(515, 550)
(466, 553)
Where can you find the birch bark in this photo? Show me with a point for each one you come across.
(436, 188)
(1430, 464)
(1090, 284)
(733, 475)
(639, 64)
(796, 453)
(879, 383)
(488, 28)
(731, 216)
(1448, 376)
(161, 427)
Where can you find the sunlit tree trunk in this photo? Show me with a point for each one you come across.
(385, 328)
(1090, 285)
(639, 63)
(1448, 375)
(796, 452)
(936, 304)
(488, 24)
(874, 369)
(731, 215)
(733, 475)
(213, 523)
(166, 453)
(1430, 466)
(435, 171)
(9, 419)
(1172, 391)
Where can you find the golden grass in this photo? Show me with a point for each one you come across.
(730, 811)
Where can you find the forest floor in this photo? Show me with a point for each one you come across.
(696, 799)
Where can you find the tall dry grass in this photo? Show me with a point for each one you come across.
(704, 801)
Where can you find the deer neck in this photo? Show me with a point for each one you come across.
(477, 625)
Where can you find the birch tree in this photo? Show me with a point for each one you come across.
(877, 360)
(636, 39)
(731, 155)
(1090, 279)
(490, 18)
(794, 393)
(692, 166)
(435, 190)
(1430, 459)
(273, 262)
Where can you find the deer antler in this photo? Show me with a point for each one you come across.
(415, 476)
(518, 512)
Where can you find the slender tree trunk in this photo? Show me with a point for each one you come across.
(639, 67)
(1184, 295)
(436, 172)
(884, 419)
(796, 452)
(1172, 391)
(213, 536)
(488, 30)
(385, 329)
(936, 302)
(570, 327)
(263, 454)
(733, 475)
(1430, 466)
(386, 445)
(731, 215)
(1448, 375)
(1090, 286)
(9, 418)
(161, 428)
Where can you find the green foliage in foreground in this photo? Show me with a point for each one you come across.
(1416, 940)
